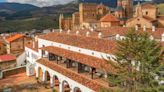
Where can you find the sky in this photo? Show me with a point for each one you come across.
(39, 3)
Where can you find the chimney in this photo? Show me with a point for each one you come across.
(68, 31)
(53, 30)
(153, 28)
(61, 30)
(151, 37)
(136, 27)
(88, 33)
(144, 28)
(163, 37)
(100, 35)
(77, 32)
(91, 29)
(117, 37)
(33, 44)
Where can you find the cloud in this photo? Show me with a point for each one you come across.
(41, 3)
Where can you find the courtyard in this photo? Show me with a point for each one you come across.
(22, 83)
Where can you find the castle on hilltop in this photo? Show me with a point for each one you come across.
(92, 15)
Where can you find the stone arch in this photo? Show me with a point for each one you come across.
(47, 76)
(56, 80)
(76, 89)
(66, 86)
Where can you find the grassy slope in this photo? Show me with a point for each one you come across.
(29, 24)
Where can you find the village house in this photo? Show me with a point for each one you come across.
(67, 62)
(64, 60)
(7, 61)
(16, 43)
(109, 20)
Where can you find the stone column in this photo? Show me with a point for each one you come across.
(71, 88)
(52, 82)
(44, 77)
(37, 73)
(61, 87)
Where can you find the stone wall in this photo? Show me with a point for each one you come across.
(14, 71)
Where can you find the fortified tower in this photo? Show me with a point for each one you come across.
(128, 7)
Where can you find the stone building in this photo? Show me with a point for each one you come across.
(128, 8)
(65, 23)
(15, 43)
(75, 20)
(109, 20)
(88, 16)
(7, 62)
(124, 9)
(146, 15)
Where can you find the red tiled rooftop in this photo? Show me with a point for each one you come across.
(123, 31)
(81, 58)
(14, 37)
(102, 45)
(112, 31)
(5, 58)
(94, 85)
(109, 18)
(148, 6)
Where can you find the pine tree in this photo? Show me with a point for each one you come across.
(139, 60)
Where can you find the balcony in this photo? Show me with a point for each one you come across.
(72, 73)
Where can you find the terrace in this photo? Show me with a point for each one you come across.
(87, 66)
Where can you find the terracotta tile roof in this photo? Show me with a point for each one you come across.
(6, 58)
(101, 45)
(92, 84)
(14, 37)
(157, 34)
(81, 58)
(83, 33)
(112, 31)
(109, 18)
(148, 6)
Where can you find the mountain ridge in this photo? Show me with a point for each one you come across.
(17, 6)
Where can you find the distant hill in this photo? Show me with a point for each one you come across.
(12, 10)
(110, 3)
(38, 18)
(158, 1)
(21, 11)
(16, 7)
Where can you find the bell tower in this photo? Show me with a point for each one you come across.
(128, 7)
(61, 17)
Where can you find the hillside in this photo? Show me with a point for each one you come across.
(16, 7)
(39, 18)
(28, 24)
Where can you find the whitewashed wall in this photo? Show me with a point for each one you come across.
(73, 84)
(97, 54)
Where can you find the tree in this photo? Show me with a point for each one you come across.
(139, 60)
